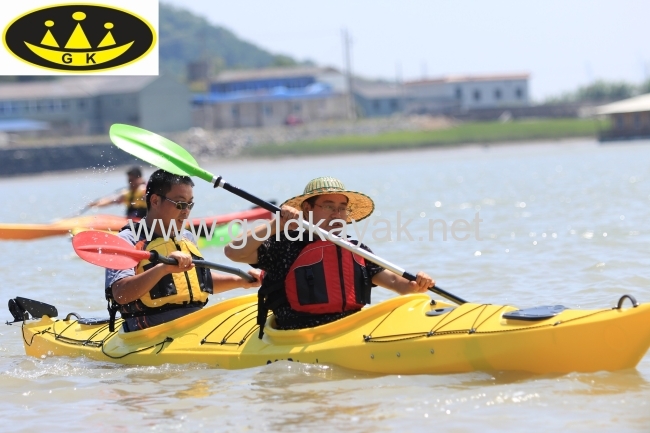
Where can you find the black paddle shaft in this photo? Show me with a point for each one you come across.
(219, 182)
(245, 195)
(438, 290)
(155, 257)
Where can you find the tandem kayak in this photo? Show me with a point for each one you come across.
(110, 223)
(409, 334)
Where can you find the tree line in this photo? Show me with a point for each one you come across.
(602, 91)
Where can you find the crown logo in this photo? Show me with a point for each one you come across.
(78, 51)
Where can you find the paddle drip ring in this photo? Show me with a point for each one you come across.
(630, 297)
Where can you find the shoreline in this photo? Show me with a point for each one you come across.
(423, 147)
(69, 158)
(569, 141)
(350, 152)
(471, 133)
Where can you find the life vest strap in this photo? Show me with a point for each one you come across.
(264, 304)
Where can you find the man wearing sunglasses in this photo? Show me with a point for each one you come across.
(313, 282)
(155, 293)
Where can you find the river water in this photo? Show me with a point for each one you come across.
(558, 223)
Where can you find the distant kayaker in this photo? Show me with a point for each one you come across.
(155, 293)
(132, 196)
(310, 283)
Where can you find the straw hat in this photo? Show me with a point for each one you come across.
(362, 205)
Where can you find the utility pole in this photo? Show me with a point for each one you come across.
(401, 100)
(352, 114)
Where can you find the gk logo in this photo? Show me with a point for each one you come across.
(79, 37)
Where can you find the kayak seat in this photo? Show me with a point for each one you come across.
(21, 308)
(536, 313)
(370, 317)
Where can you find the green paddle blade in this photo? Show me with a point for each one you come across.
(157, 151)
(220, 237)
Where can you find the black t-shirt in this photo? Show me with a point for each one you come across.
(275, 258)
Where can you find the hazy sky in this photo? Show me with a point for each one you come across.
(561, 43)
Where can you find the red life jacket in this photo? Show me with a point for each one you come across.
(323, 279)
(326, 278)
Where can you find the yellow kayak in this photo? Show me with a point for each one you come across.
(404, 335)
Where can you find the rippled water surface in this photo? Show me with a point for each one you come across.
(558, 223)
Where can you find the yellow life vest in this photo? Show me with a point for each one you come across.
(190, 287)
(136, 203)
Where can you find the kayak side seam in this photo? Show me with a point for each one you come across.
(436, 333)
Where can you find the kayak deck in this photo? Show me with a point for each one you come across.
(396, 336)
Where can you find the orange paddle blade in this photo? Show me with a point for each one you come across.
(107, 250)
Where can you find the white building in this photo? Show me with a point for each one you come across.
(453, 93)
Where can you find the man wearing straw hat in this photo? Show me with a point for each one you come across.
(312, 282)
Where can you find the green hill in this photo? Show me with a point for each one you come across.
(185, 37)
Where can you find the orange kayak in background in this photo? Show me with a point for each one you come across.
(26, 232)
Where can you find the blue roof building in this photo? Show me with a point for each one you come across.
(269, 97)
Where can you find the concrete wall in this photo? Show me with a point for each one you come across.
(518, 112)
(46, 159)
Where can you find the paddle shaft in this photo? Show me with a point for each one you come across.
(103, 253)
(219, 182)
(154, 256)
(88, 207)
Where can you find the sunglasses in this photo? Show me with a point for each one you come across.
(180, 205)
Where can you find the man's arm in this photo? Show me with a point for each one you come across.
(401, 285)
(248, 253)
(222, 283)
(134, 287)
(106, 201)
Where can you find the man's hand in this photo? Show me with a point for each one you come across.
(422, 283)
(288, 213)
(255, 273)
(184, 262)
